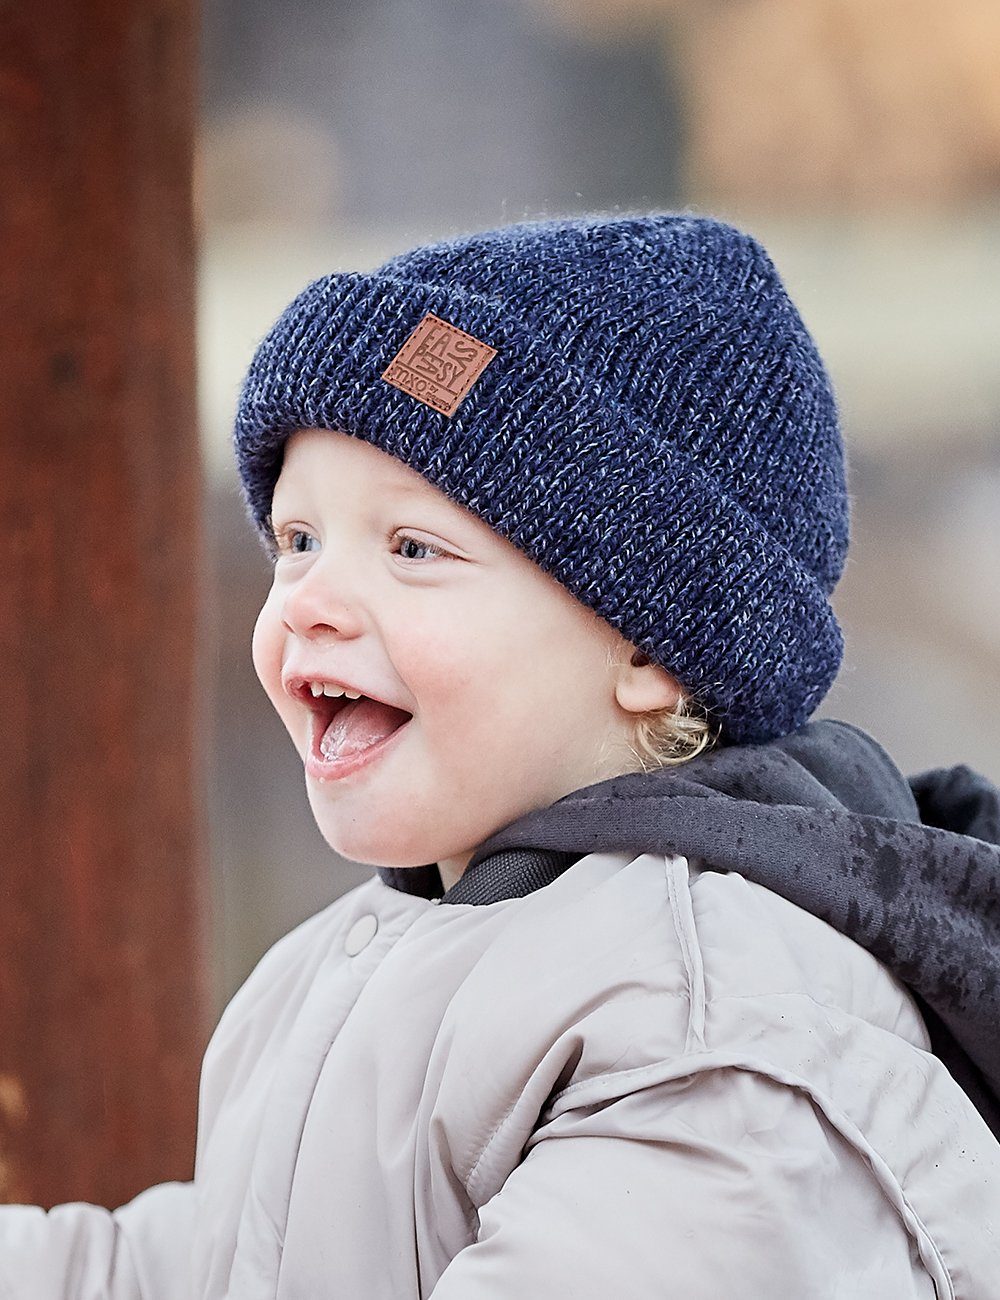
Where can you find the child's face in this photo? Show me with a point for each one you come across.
(506, 675)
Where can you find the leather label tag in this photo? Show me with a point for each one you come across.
(438, 364)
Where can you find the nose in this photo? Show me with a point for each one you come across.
(318, 602)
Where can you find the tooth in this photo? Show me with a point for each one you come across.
(330, 689)
(353, 695)
(316, 688)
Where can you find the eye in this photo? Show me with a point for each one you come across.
(408, 544)
(290, 541)
(298, 541)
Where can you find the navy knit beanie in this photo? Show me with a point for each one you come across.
(633, 401)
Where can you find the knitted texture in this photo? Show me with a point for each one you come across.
(657, 432)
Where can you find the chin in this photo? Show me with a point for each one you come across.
(372, 849)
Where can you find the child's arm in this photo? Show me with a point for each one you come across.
(141, 1251)
(724, 1184)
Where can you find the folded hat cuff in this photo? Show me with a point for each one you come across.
(535, 451)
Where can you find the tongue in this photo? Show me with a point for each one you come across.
(359, 725)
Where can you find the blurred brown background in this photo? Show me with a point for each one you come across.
(859, 142)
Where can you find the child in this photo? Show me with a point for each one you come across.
(659, 989)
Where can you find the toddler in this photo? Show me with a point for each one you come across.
(659, 989)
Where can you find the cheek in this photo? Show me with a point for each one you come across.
(266, 648)
(446, 665)
(474, 681)
(438, 669)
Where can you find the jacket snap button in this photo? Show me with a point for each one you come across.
(360, 935)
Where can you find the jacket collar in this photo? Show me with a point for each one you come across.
(909, 868)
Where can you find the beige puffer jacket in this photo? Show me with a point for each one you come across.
(645, 1079)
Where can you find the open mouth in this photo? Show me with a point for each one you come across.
(347, 733)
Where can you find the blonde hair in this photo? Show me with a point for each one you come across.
(668, 737)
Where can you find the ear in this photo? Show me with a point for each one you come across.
(641, 686)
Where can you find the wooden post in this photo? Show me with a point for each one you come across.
(102, 899)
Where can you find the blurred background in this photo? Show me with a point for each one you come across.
(155, 833)
(860, 143)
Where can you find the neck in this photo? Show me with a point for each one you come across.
(452, 869)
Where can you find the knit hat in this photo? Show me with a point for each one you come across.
(633, 401)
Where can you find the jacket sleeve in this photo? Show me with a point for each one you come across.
(82, 1252)
(721, 1184)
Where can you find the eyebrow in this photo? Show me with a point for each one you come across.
(396, 488)
(419, 492)
(454, 516)
(410, 489)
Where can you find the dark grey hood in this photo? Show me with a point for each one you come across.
(907, 867)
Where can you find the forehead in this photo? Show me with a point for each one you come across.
(327, 469)
(340, 465)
